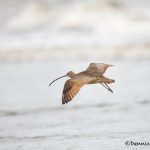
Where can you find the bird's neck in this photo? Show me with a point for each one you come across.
(72, 75)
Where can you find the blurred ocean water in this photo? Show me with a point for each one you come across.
(79, 30)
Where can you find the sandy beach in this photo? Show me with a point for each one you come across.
(32, 116)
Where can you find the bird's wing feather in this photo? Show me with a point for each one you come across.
(71, 88)
(98, 68)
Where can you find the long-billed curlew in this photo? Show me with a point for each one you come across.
(92, 75)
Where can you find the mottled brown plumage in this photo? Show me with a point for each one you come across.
(92, 75)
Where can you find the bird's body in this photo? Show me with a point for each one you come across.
(92, 75)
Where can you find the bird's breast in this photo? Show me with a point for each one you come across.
(94, 81)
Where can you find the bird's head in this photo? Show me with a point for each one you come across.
(70, 74)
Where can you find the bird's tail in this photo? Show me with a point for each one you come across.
(107, 80)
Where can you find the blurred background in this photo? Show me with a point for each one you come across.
(41, 40)
(74, 30)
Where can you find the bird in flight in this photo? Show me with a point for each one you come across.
(92, 75)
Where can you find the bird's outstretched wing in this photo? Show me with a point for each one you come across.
(98, 68)
(71, 88)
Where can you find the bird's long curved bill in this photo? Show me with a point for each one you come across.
(57, 79)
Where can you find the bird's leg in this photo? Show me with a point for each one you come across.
(104, 86)
(109, 88)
